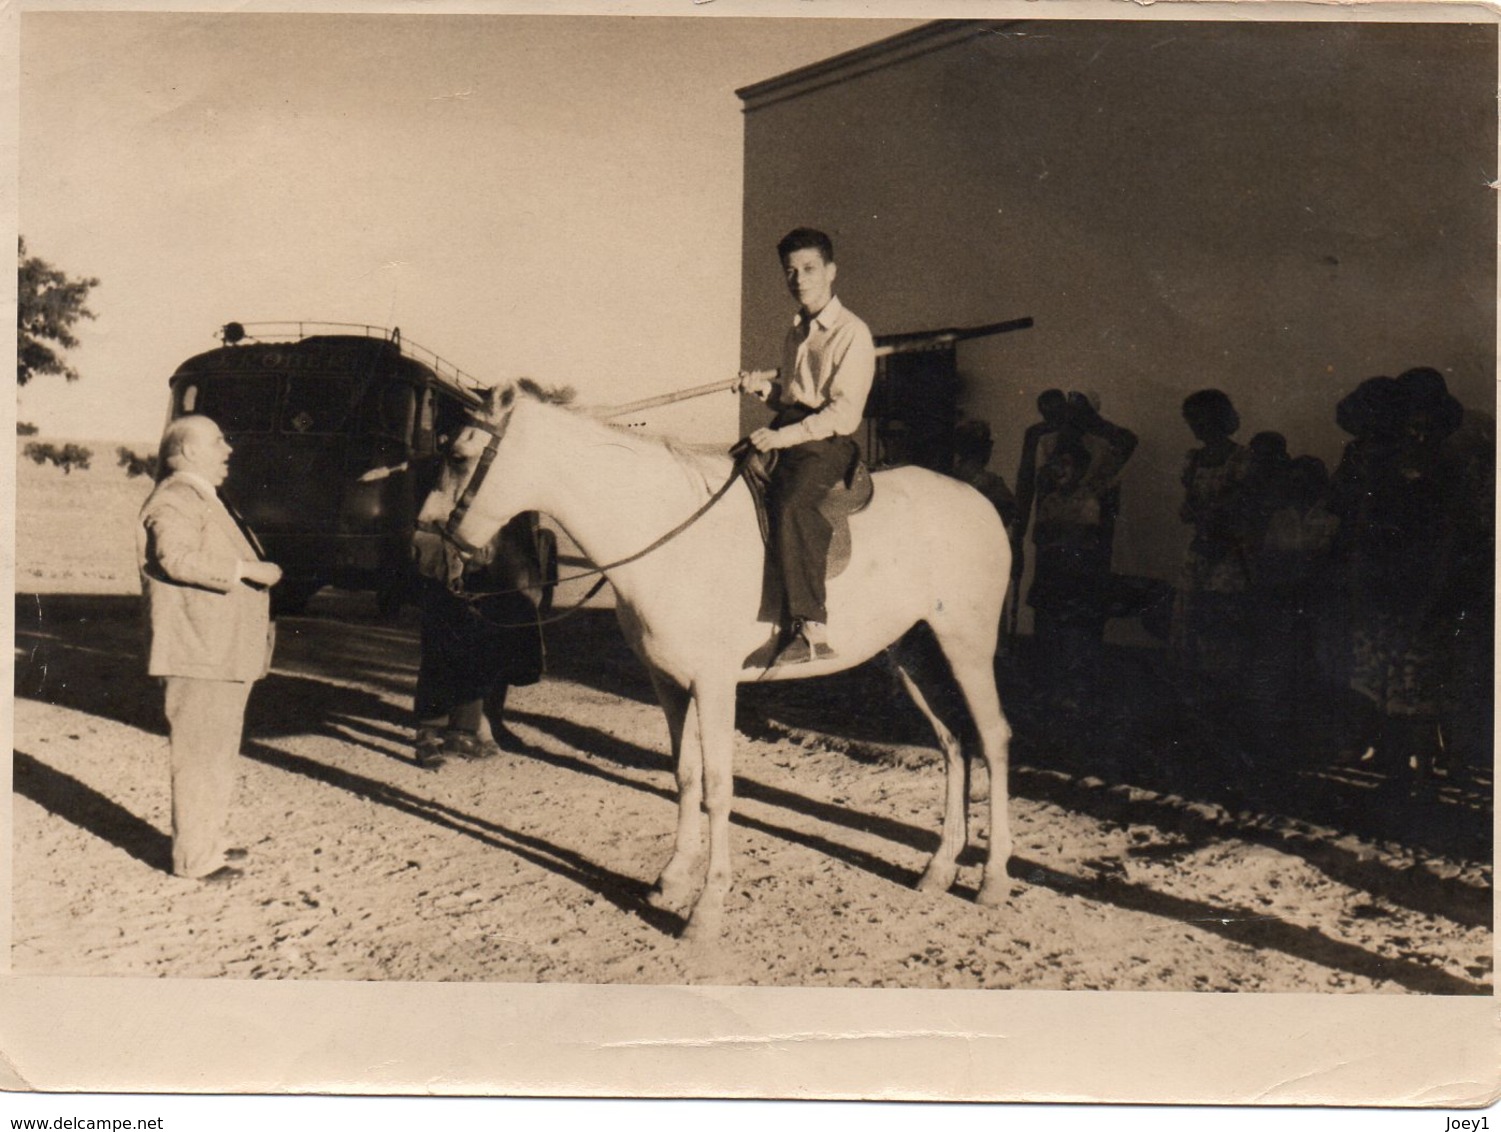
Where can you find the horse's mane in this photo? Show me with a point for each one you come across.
(704, 469)
(548, 394)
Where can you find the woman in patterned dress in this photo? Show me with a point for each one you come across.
(1209, 610)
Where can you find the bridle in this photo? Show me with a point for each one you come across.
(449, 531)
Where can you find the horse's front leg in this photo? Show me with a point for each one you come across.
(675, 885)
(714, 705)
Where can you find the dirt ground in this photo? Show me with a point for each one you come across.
(1148, 856)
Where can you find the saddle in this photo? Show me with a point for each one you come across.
(849, 497)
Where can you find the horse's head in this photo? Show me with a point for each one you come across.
(492, 471)
(478, 487)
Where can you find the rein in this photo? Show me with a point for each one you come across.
(743, 453)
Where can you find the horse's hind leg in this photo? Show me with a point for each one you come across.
(680, 876)
(714, 705)
(971, 657)
(939, 875)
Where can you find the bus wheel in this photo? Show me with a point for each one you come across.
(290, 598)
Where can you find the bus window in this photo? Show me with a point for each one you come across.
(237, 403)
(388, 411)
(452, 417)
(423, 441)
(317, 404)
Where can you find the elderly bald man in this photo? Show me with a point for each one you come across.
(208, 636)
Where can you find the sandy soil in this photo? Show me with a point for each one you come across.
(1147, 857)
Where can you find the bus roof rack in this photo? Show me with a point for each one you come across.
(233, 333)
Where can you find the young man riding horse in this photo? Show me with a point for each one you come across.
(828, 364)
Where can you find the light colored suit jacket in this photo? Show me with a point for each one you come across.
(200, 620)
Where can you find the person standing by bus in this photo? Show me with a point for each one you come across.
(828, 365)
(209, 636)
(479, 637)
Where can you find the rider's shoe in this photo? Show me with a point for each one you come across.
(808, 641)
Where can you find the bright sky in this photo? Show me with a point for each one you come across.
(552, 196)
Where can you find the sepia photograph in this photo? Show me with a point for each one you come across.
(586, 526)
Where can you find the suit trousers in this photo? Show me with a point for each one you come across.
(205, 719)
(801, 481)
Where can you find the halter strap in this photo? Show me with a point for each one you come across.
(450, 530)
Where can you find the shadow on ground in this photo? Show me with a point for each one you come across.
(1140, 732)
(1139, 756)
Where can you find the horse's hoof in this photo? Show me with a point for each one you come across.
(992, 894)
(701, 931)
(936, 878)
(705, 921)
(668, 898)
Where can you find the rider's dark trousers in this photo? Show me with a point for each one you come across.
(803, 477)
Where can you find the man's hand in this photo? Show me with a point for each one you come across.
(263, 574)
(758, 383)
(767, 440)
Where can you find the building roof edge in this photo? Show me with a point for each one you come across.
(872, 57)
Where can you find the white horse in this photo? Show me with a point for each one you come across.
(928, 548)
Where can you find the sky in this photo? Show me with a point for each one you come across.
(551, 196)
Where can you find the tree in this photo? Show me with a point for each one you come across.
(48, 305)
(68, 457)
(137, 465)
(26, 428)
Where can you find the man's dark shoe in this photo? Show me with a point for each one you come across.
(224, 874)
(236, 854)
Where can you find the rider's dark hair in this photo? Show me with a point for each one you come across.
(800, 238)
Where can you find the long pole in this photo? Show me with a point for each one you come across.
(608, 411)
(903, 344)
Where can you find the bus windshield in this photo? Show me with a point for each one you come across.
(237, 404)
(318, 404)
(268, 402)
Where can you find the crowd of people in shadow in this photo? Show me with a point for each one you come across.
(1334, 619)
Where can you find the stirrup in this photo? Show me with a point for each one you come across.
(800, 650)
